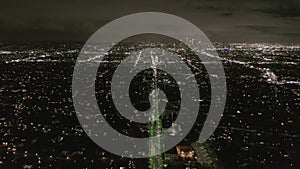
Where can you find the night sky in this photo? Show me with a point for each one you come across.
(275, 21)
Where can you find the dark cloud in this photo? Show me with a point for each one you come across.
(226, 14)
(230, 20)
(287, 8)
(259, 28)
